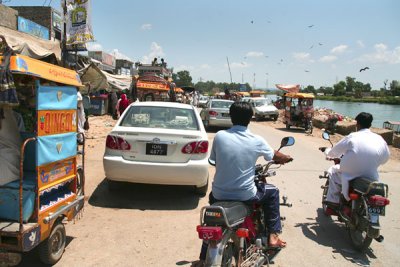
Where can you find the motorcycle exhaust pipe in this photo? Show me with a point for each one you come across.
(380, 239)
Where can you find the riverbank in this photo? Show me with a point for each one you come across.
(317, 133)
(389, 100)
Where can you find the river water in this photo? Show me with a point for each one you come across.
(380, 112)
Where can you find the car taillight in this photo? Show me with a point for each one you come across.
(378, 201)
(198, 147)
(209, 232)
(117, 143)
(213, 113)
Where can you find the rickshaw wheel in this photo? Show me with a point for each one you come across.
(52, 249)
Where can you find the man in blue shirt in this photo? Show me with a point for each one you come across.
(235, 152)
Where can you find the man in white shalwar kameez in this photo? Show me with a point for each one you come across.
(361, 153)
(81, 117)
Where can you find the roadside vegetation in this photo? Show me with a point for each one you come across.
(349, 90)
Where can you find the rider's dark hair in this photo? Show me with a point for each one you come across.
(241, 113)
(364, 119)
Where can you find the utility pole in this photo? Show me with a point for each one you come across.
(230, 73)
(242, 78)
(254, 81)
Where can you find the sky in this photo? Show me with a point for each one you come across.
(309, 42)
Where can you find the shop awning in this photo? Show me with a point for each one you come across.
(29, 45)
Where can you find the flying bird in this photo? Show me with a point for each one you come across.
(363, 69)
(252, 22)
(306, 70)
(320, 43)
(311, 46)
(269, 21)
(310, 26)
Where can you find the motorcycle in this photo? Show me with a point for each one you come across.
(235, 231)
(368, 200)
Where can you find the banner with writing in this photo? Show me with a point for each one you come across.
(78, 18)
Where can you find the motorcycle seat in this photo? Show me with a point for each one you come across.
(235, 213)
(367, 187)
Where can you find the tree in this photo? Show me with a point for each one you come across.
(350, 84)
(182, 78)
(339, 89)
(309, 89)
(395, 88)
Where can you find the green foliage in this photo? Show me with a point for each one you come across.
(309, 89)
(339, 89)
(182, 78)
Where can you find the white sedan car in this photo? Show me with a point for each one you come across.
(158, 143)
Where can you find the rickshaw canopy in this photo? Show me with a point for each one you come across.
(299, 95)
(28, 66)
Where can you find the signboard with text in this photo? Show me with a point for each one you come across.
(27, 26)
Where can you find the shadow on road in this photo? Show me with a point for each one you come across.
(31, 258)
(144, 196)
(327, 232)
(292, 130)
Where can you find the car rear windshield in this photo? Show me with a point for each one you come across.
(160, 117)
(261, 102)
(221, 104)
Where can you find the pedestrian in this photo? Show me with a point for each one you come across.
(81, 118)
(122, 104)
(113, 103)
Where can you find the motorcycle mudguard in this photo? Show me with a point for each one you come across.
(215, 251)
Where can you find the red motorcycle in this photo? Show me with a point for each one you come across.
(368, 200)
(235, 231)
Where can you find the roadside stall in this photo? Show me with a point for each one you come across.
(45, 185)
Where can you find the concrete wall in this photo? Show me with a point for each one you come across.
(8, 17)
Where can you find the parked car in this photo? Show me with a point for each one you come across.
(263, 108)
(203, 101)
(216, 113)
(158, 143)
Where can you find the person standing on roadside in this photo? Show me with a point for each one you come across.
(122, 104)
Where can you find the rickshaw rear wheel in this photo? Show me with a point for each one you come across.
(52, 248)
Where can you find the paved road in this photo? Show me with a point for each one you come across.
(147, 225)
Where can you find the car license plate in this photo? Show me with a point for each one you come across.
(156, 149)
(225, 114)
(377, 210)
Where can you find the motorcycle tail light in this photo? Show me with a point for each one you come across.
(198, 147)
(242, 232)
(117, 143)
(213, 113)
(209, 232)
(354, 196)
(378, 201)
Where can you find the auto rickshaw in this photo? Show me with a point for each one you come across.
(299, 110)
(50, 188)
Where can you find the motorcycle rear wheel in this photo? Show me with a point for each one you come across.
(360, 240)
(230, 255)
(358, 234)
(324, 194)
